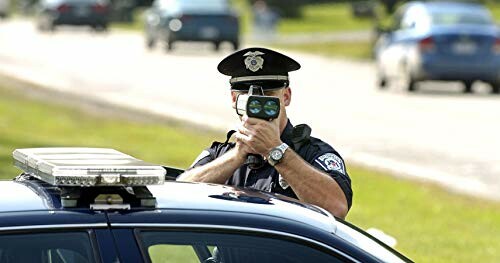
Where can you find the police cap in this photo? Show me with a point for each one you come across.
(257, 66)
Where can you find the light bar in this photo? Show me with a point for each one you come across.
(72, 166)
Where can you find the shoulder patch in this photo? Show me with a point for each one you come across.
(331, 162)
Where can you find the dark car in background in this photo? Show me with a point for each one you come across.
(100, 205)
(4, 8)
(53, 13)
(169, 21)
(444, 41)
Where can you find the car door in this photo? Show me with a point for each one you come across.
(55, 237)
(205, 244)
(398, 41)
(404, 40)
(216, 237)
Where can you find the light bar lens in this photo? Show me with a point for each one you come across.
(87, 167)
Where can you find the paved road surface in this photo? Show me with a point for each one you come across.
(436, 134)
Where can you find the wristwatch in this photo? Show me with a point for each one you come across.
(276, 154)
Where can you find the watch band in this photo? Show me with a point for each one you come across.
(282, 148)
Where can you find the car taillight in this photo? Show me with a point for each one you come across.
(63, 8)
(427, 44)
(496, 46)
(97, 8)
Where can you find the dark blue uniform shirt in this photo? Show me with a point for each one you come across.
(316, 152)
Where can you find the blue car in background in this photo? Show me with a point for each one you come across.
(212, 21)
(445, 41)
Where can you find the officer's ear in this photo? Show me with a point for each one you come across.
(234, 96)
(287, 96)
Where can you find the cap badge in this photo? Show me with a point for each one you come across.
(253, 61)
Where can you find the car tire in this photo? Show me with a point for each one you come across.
(382, 82)
(52, 27)
(46, 26)
(236, 45)
(467, 86)
(150, 43)
(41, 27)
(169, 46)
(410, 84)
(495, 88)
(216, 46)
(100, 28)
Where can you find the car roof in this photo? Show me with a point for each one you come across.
(22, 196)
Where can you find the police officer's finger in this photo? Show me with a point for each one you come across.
(242, 138)
(253, 121)
(243, 130)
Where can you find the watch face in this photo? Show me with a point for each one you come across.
(276, 154)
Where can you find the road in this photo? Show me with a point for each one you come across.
(436, 134)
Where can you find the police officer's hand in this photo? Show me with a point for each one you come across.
(242, 150)
(261, 136)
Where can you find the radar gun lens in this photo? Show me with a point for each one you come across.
(271, 108)
(254, 107)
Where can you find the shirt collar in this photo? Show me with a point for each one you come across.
(286, 136)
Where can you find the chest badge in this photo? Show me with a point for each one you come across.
(254, 61)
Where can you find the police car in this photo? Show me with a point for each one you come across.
(100, 205)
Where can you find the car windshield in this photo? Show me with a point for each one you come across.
(205, 5)
(460, 18)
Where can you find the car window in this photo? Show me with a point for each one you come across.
(205, 5)
(46, 247)
(364, 241)
(458, 18)
(172, 253)
(176, 246)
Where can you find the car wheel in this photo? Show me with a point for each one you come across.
(409, 82)
(100, 28)
(412, 86)
(46, 25)
(169, 46)
(381, 81)
(236, 45)
(216, 46)
(41, 27)
(52, 27)
(468, 86)
(495, 88)
(150, 43)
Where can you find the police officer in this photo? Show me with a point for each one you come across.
(295, 164)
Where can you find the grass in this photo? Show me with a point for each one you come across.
(26, 124)
(351, 50)
(137, 23)
(325, 18)
(431, 225)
